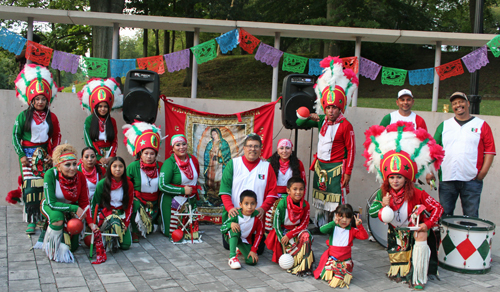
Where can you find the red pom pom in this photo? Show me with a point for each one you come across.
(374, 130)
(74, 226)
(177, 235)
(303, 112)
(325, 63)
(349, 74)
(87, 240)
(14, 196)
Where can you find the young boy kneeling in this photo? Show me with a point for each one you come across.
(244, 231)
(290, 234)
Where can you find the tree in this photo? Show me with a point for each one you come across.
(102, 37)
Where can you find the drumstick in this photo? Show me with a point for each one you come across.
(92, 239)
(83, 213)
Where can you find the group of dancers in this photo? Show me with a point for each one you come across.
(127, 202)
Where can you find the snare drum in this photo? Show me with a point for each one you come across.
(377, 228)
(466, 244)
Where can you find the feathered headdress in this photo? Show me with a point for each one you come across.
(336, 85)
(400, 149)
(98, 90)
(34, 80)
(141, 135)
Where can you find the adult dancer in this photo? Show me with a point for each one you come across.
(399, 155)
(36, 133)
(334, 160)
(65, 194)
(143, 141)
(179, 184)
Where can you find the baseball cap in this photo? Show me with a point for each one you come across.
(403, 92)
(458, 94)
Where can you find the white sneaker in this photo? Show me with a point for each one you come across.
(234, 263)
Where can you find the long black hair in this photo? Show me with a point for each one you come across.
(94, 125)
(98, 169)
(106, 191)
(29, 117)
(294, 164)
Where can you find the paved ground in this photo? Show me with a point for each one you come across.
(155, 264)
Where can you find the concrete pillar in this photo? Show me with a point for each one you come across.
(116, 43)
(435, 90)
(357, 53)
(30, 34)
(194, 78)
(274, 95)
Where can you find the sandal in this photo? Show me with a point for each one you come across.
(31, 228)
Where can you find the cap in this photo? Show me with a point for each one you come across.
(403, 92)
(458, 94)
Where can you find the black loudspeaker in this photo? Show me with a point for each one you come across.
(140, 96)
(298, 91)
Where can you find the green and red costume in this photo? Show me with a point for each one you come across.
(102, 146)
(247, 239)
(174, 175)
(145, 179)
(34, 145)
(335, 265)
(291, 219)
(116, 215)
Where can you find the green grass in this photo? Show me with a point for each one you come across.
(241, 77)
(487, 107)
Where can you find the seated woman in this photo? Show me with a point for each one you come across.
(93, 171)
(387, 153)
(143, 141)
(285, 165)
(115, 195)
(65, 193)
(178, 182)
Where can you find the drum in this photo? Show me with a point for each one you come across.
(377, 228)
(466, 244)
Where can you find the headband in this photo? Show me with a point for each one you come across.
(177, 138)
(65, 157)
(285, 142)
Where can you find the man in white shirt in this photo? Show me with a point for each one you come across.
(405, 102)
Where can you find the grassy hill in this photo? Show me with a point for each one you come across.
(241, 77)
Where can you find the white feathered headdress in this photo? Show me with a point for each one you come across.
(35, 80)
(335, 86)
(141, 135)
(98, 90)
(400, 149)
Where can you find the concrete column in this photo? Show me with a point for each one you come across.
(357, 53)
(274, 95)
(435, 90)
(30, 34)
(194, 77)
(116, 43)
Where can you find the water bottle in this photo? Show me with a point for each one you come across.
(73, 89)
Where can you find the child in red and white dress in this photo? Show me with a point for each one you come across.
(335, 265)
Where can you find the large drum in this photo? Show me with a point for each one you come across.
(466, 244)
(377, 228)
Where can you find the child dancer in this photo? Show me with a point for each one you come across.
(399, 155)
(244, 231)
(115, 195)
(289, 233)
(335, 265)
(99, 97)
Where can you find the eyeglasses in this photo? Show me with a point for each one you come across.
(256, 147)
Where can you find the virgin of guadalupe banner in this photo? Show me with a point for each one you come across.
(215, 139)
